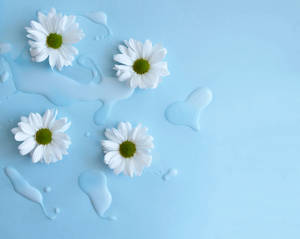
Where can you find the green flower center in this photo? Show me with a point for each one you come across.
(43, 136)
(141, 66)
(127, 149)
(54, 40)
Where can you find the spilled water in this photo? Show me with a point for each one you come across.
(7, 86)
(99, 17)
(94, 184)
(22, 187)
(171, 173)
(83, 81)
(65, 89)
(188, 112)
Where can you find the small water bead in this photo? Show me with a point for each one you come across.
(57, 210)
(47, 189)
(171, 173)
(87, 134)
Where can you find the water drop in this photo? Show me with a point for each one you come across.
(171, 173)
(47, 189)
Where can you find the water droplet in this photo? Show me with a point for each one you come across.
(188, 112)
(47, 189)
(94, 184)
(57, 210)
(22, 187)
(87, 134)
(99, 18)
(171, 173)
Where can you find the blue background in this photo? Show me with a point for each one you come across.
(238, 177)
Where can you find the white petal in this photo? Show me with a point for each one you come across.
(52, 59)
(125, 76)
(115, 161)
(147, 49)
(37, 119)
(42, 56)
(124, 59)
(21, 136)
(145, 157)
(129, 168)
(161, 68)
(49, 118)
(111, 136)
(158, 54)
(27, 146)
(26, 128)
(120, 168)
(108, 156)
(38, 154)
(15, 130)
(109, 145)
(34, 52)
(122, 127)
(61, 125)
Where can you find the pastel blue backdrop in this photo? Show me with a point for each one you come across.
(238, 177)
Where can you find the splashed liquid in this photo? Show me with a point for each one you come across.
(22, 187)
(63, 90)
(99, 17)
(171, 173)
(7, 86)
(188, 112)
(94, 184)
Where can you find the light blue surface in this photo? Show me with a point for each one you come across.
(239, 175)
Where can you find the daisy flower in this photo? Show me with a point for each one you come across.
(142, 64)
(52, 36)
(43, 136)
(127, 149)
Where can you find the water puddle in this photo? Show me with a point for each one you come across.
(94, 184)
(22, 187)
(188, 112)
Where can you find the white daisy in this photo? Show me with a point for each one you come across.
(142, 64)
(43, 136)
(53, 37)
(127, 149)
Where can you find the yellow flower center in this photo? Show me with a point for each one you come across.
(127, 149)
(54, 40)
(141, 66)
(43, 136)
